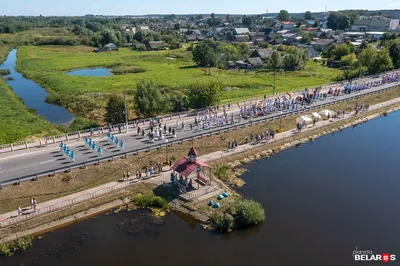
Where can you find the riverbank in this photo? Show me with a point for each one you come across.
(53, 187)
(233, 159)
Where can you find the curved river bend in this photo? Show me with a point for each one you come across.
(322, 200)
(33, 95)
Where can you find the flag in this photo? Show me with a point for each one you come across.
(288, 94)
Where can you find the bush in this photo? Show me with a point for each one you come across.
(8, 249)
(248, 213)
(128, 69)
(222, 172)
(149, 200)
(4, 72)
(223, 222)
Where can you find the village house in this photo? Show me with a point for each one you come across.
(322, 44)
(110, 47)
(287, 25)
(310, 49)
(262, 53)
(241, 38)
(254, 62)
(155, 45)
(324, 33)
(241, 31)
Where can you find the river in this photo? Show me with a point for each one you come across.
(33, 95)
(322, 200)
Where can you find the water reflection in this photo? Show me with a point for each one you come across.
(33, 95)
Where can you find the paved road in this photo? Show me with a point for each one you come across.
(31, 161)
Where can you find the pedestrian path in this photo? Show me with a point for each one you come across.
(164, 177)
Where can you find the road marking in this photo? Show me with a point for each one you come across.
(48, 161)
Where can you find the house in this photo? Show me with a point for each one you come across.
(378, 23)
(183, 31)
(310, 22)
(241, 38)
(375, 35)
(321, 44)
(262, 53)
(255, 62)
(311, 50)
(287, 25)
(289, 38)
(110, 47)
(155, 45)
(324, 33)
(242, 65)
(241, 31)
(144, 28)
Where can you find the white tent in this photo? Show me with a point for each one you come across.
(304, 118)
(327, 112)
(316, 115)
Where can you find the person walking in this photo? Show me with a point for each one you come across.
(19, 210)
(34, 204)
(128, 174)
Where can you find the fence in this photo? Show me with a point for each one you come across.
(64, 204)
(100, 131)
(199, 135)
(200, 192)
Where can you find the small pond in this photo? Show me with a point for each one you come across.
(91, 72)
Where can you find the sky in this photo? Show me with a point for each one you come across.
(143, 7)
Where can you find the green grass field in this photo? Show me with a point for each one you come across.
(16, 121)
(47, 66)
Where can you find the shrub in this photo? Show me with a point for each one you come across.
(248, 213)
(223, 222)
(148, 201)
(128, 69)
(222, 172)
(4, 72)
(8, 249)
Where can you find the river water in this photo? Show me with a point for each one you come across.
(322, 200)
(33, 95)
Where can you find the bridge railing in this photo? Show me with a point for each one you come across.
(199, 135)
(102, 130)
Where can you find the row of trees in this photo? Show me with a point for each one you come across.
(217, 54)
(151, 100)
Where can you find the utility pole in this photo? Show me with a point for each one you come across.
(273, 88)
(126, 111)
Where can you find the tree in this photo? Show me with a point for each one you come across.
(308, 15)
(115, 110)
(283, 15)
(249, 212)
(349, 60)
(383, 62)
(149, 101)
(108, 36)
(204, 55)
(244, 50)
(394, 51)
(204, 93)
(290, 61)
(247, 21)
(375, 61)
(338, 21)
(275, 62)
(340, 51)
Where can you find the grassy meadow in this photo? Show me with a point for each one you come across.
(16, 121)
(47, 66)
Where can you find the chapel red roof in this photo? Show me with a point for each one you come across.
(192, 152)
(185, 168)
